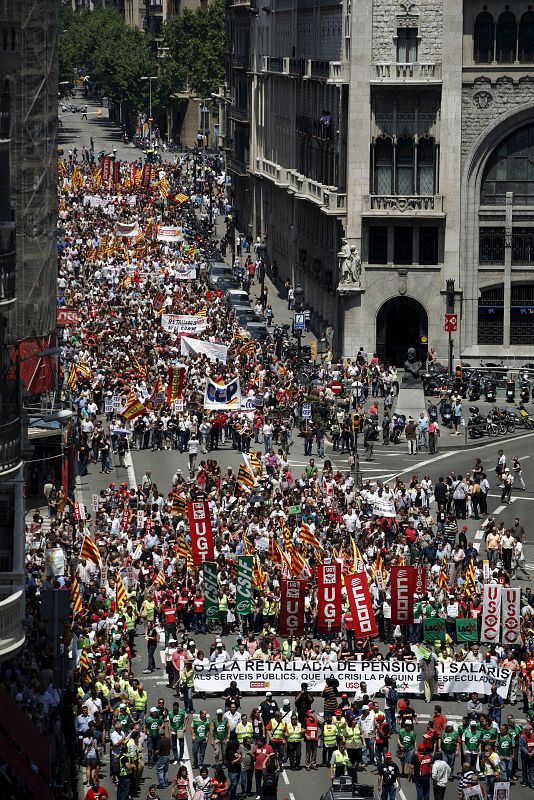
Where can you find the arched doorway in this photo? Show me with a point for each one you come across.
(402, 322)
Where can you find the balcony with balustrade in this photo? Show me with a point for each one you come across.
(396, 205)
(12, 635)
(411, 73)
(8, 266)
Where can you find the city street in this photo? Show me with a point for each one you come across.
(388, 463)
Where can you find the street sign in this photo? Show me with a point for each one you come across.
(306, 411)
(451, 322)
(298, 322)
(336, 387)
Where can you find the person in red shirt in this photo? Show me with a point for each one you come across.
(96, 792)
(439, 721)
(260, 754)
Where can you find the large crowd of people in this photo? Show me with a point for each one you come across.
(128, 553)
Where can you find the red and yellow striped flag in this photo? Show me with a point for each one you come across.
(202, 312)
(75, 596)
(297, 562)
(245, 477)
(248, 348)
(120, 591)
(308, 536)
(85, 666)
(469, 585)
(90, 550)
(159, 580)
(71, 380)
(443, 577)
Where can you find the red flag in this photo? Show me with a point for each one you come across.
(292, 607)
(146, 176)
(133, 177)
(360, 605)
(329, 610)
(105, 169)
(200, 530)
(116, 172)
(403, 582)
(126, 518)
(176, 383)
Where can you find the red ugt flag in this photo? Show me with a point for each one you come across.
(201, 533)
(403, 583)
(329, 609)
(292, 607)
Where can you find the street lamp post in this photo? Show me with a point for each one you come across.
(261, 251)
(149, 78)
(450, 310)
(298, 303)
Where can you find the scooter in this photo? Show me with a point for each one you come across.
(525, 419)
(473, 392)
(432, 412)
(510, 391)
(490, 392)
(446, 414)
(524, 392)
(477, 424)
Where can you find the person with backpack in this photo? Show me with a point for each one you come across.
(392, 697)
(271, 772)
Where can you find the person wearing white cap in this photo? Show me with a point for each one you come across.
(219, 735)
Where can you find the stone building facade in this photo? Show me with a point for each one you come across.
(406, 128)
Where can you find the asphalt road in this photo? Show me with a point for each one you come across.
(387, 463)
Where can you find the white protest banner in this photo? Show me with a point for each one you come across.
(226, 396)
(117, 402)
(286, 677)
(127, 229)
(215, 352)
(186, 272)
(183, 323)
(491, 614)
(384, 506)
(248, 404)
(168, 234)
(94, 502)
(511, 615)
(108, 404)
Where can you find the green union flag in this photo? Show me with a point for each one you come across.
(244, 585)
(433, 628)
(467, 630)
(211, 590)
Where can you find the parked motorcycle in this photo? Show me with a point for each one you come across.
(446, 414)
(524, 392)
(490, 392)
(478, 425)
(524, 419)
(432, 412)
(399, 423)
(510, 391)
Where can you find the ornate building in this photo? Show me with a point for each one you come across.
(407, 128)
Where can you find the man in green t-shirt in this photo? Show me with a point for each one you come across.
(505, 751)
(152, 730)
(488, 733)
(406, 741)
(471, 739)
(199, 735)
(515, 731)
(178, 720)
(449, 745)
(219, 734)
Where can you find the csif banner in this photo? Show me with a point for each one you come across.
(200, 532)
(491, 614)
(403, 582)
(329, 606)
(211, 591)
(511, 615)
(293, 593)
(361, 606)
(244, 586)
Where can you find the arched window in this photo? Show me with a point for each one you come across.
(526, 38)
(426, 167)
(506, 38)
(384, 166)
(405, 166)
(483, 51)
(510, 168)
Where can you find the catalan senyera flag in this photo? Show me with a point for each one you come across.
(238, 336)
(248, 348)
(469, 585)
(83, 370)
(84, 666)
(71, 380)
(308, 536)
(258, 575)
(245, 477)
(183, 550)
(141, 368)
(90, 550)
(120, 592)
(274, 551)
(75, 596)
(202, 312)
(159, 299)
(379, 564)
(159, 580)
(358, 564)
(400, 560)
(298, 563)
(134, 407)
(443, 577)
(255, 462)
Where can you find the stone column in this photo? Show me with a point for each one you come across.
(507, 270)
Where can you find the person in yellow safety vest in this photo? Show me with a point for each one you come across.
(140, 699)
(329, 739)
(354, 741)
(289, 646)
(148, 609)
(130, 618)
(243, 729)
(223, 612)
(340, 722)
(187, 681)
(340, 761)
(295, 735)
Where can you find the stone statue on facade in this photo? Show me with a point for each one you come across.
(412, 369)
(350, 265)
